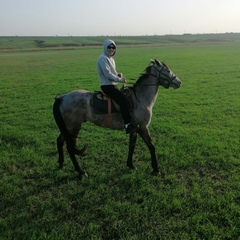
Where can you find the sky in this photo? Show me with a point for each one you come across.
(117, 17)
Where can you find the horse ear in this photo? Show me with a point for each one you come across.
(157, 62)
(152, 61)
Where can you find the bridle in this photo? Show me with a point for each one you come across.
(160, 76)
(163, 76)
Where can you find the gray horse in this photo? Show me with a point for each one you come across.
(74, 108)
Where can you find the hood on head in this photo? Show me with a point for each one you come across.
(106, 44)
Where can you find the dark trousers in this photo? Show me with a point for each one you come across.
(114, 93)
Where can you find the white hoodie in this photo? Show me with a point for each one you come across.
(106, 66)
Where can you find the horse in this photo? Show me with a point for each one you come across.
(74, 108)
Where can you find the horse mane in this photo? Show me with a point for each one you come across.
(143, 75)
(147, 71)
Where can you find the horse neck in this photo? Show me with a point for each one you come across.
(147, 91)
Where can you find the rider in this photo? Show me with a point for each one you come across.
(109, 79)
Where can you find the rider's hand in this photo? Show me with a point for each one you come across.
(124, 79)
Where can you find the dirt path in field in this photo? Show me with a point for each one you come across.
(72, 48)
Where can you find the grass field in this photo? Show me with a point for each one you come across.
(195, 130)
(20, 43)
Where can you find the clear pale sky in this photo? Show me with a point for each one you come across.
(117, 17)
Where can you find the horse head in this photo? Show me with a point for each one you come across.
(164, 75)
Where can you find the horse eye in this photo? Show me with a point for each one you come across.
(167, 69)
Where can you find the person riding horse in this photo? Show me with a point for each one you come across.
(72, 109)
(109, 79)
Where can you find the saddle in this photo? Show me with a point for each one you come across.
(102, 104)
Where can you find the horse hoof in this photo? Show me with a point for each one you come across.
(156, 173)
(85, 175)
(131, 167)
(82, 174)
(60, 165)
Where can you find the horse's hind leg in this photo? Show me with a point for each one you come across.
(132, 144)
(71, 147)
(60, 143)
(144, 133)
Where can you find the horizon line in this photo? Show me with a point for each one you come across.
(143, 35)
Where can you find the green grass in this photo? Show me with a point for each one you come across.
(195, 130)
(39, 42)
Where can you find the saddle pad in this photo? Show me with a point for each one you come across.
(100, 104)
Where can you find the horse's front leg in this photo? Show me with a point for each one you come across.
(132, 144)
(144, 133)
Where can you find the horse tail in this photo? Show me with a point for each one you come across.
(80, 151)
(62, 127)
(58, 117)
